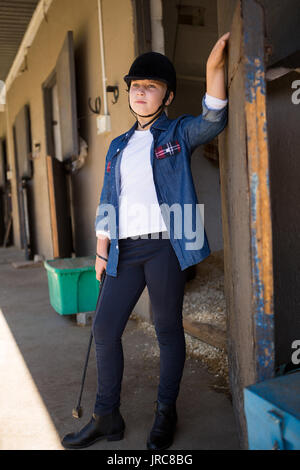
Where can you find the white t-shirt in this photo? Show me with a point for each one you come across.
(139, 210)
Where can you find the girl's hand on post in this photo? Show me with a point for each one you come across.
(216, 59)
(215, 70)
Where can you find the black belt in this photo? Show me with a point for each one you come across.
(153, 235)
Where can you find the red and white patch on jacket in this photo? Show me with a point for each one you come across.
(166, 150)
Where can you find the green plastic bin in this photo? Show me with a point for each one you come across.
(73, 287)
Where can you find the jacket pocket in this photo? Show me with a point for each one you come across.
(167, 150)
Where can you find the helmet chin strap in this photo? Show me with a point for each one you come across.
(156, 114)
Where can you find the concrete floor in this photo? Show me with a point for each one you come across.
(41, 360)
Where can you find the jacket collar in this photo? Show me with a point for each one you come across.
(161, 123)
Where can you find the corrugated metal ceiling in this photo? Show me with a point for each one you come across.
(14, 18)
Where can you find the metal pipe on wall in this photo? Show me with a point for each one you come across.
(158, 41)
(104, 79)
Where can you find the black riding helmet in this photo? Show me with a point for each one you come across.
(153, 66)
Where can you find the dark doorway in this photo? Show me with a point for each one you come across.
(59, 92)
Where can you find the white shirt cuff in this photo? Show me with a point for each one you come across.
(215, 103)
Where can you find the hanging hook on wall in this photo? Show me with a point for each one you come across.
(115, 91)
(97, 105)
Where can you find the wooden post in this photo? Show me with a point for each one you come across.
(246, 215)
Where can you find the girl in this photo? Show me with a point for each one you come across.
(147, 172)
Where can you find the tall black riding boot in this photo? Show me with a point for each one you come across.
(110, 427)
(163, 430)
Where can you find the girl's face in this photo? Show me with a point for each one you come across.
(145, 96)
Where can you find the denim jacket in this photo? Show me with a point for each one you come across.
(174, 140)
